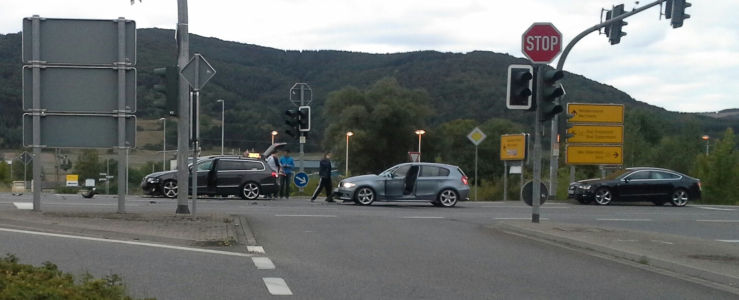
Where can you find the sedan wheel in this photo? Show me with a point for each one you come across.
(679, 198)
(169, 189)
(603, 196)
(364, 196)
(448, 198)
(250, 191)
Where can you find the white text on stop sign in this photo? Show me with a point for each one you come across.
(541, 43)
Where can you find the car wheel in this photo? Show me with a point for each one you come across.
(169, 189)
(679, 198)
(603, 196)
(364, 196)
(448, 198)
(250, 191)
(659, 202)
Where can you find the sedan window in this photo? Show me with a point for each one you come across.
(229, 165)
(639, 175)
(664, 175)
(401, 171)
(205, 165)
(432, 171)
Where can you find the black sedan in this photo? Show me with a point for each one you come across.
(638, 184)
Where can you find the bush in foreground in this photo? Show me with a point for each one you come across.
(19, 281)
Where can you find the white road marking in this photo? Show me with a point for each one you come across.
(625, 220)
(255, 249)
(277, 286)
(527, 207)
(527, 218)
(719, 221)
(263, 263)
(312, 216)
(421, 217)
(663, 242)
(23, 205)
(126, 242)
(729, 241)
(715, 208)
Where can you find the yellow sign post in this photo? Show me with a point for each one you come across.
(513, 147)
(595, 155)
(73, 180)
(595, 113)
(596, 134)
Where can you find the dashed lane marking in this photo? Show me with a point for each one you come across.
(23, 205)
(729, 241)
(625, 220)
(527, 218)
(255, 249)
(277, 286)
(263, 263)
(67, 236)
(718, 221)
(715, 208)
(421, 217)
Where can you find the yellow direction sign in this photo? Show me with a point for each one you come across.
(513, 147)
(595, 113)
(595, 155)
(596, 134)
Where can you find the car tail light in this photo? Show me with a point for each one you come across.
(274, 174)
(464, 180)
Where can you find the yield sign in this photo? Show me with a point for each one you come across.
(476, 136)
(197, 72)
(541, 43)
(415, 156)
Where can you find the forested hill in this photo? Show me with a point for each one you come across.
(255, 82)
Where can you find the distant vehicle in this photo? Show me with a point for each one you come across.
(638, 184)
(246, 177)
(441, 184)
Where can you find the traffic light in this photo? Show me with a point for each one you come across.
(170, 86)
(520, 87)
(293, 121)
(568, 126)
(677, 12)
(304, 118)
(549, 92)
(614, 32)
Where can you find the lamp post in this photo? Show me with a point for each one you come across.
(346, 162)
(164, 144)
(706, 138)
(223, 121)
(274, 133)
(420, 132)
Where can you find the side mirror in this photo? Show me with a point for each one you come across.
(625, 180)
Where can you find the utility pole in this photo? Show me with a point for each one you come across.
(183, 124)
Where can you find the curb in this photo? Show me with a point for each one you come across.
(720, 281)
(244, 233)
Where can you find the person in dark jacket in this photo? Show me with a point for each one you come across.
(324, 171)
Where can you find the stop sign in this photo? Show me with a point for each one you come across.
(541, 43)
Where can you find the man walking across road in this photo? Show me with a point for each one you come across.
(287, 164)
(324, 171)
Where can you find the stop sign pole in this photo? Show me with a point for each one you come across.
(540, 43)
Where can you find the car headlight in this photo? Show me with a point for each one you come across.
(348, 185)
(585, 187)
(152, 180)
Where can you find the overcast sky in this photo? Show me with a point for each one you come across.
(691, 69)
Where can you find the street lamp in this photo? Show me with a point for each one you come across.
(164, 144)
(420, 132)
(346, 162)
(223, 122)
(706, 138)
(274, 133)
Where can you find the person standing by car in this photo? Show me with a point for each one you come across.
(324, 171)
(274, 163)
(287, 164)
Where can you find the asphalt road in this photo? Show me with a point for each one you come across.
(388, 251)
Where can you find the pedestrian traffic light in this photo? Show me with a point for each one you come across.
(170, 86)
(520, 87)
(304, 118)
(293, 121)
(549, 93)
(614, 32)
(677, 12)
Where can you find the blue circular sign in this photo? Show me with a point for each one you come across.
(300, 179)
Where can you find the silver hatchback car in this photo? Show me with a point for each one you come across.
(441, 184)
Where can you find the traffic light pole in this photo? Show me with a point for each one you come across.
(536, 194)
(554, 160)
(183, 124)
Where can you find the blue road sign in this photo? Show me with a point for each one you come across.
(301, 179)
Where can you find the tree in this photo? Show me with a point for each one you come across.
(88, 164)
(383, 119)
(718, 171)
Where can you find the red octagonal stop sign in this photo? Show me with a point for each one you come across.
(541, 43)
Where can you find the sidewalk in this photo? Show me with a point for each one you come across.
(707, 262)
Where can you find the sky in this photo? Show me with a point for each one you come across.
(694, 68)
